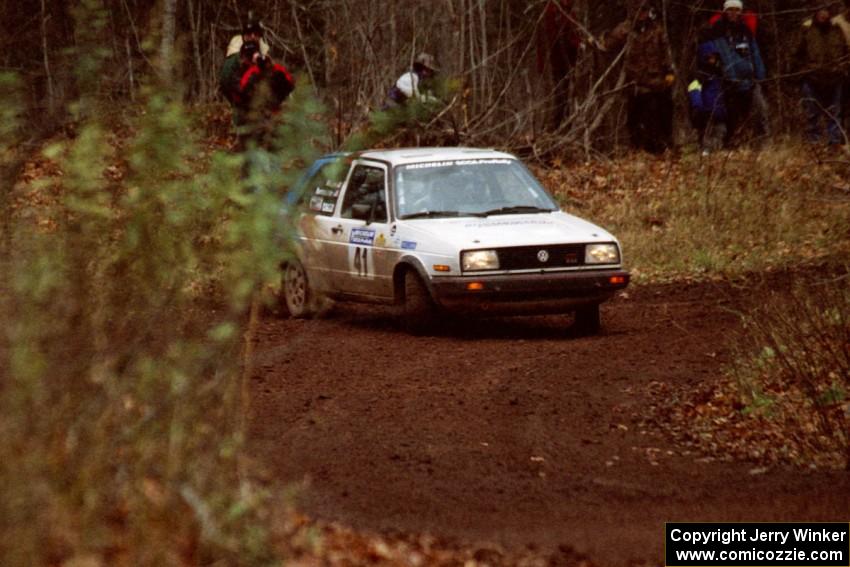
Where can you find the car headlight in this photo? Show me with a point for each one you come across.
(601, 254)
(480, 260)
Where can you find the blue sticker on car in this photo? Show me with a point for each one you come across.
(362, 236)
(407, 245)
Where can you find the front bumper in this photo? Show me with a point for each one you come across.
(530, 293)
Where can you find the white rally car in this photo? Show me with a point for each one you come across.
(443, 230)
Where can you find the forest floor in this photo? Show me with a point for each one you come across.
(511, 441)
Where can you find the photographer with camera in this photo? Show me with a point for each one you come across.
(262, 88)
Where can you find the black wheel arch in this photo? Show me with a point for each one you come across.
(405, 264)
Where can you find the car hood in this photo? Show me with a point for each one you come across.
(499, 231)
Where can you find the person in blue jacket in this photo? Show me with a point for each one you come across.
(707, 103)
(742, 65)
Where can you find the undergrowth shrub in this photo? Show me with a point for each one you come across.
(800, 374)
(122, 407)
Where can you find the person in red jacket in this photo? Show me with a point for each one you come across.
(723, 23)
(558, 42)
(263, 88)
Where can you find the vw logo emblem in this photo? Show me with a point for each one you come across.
(543, 256)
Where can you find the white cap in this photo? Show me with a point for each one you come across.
(733, 4)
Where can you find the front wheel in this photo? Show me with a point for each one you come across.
(418, 313)
(297, 295)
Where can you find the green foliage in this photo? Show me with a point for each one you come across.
(759, 403)
(122, 407)
(10, 109)
(10, 123)
(832, 395)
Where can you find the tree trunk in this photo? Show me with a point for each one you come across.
(131, 77)
(51, 94)
(202, 91)
(166, 48)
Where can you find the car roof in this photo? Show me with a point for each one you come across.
(405, 156)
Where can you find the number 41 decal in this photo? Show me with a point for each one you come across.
(361, 261)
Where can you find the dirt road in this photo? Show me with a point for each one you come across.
(511, 431)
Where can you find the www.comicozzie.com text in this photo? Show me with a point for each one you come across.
(727, 536)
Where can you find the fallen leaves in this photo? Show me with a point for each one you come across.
(715, 422)
(306, 542)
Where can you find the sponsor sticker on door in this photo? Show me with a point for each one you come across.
(363, 236)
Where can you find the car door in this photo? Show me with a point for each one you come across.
(359, 254)
(318, 197)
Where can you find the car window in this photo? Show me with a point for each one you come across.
(468, 187)
(367, 187)
(321, 191)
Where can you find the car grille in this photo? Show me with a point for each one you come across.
(532, 257)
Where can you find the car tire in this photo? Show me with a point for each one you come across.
(587, 320)
(418, 312)
(297, 299)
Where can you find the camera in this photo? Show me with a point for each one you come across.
(249, 48)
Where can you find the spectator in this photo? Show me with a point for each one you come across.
(742, 64)
(751, 20)
(414, 84)
(821, 56)
(842, 20)
(650, 77)
(707, 105)
(558, 43)
(253, 31)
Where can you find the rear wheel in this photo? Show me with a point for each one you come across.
(297, 295)
(418, 313)
(587, 320)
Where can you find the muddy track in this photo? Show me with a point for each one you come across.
(513, 431)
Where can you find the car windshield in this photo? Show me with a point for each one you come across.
(471, 187)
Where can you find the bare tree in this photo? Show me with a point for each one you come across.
(353, 50)
(51, 94)
(166, 48)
